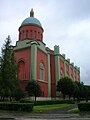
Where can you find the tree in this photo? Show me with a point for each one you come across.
(76, 91)
(65, 85)
(87, 92)
(19, 93)
(81, 89)
(84, 91)
(33, 89)
(8, 71)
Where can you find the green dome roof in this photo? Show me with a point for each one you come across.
(31, 21)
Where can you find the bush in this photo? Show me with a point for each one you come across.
(47, 102)
(24, 100)
(16, 106)
(84, 106)
(19, 94)
(33, 89)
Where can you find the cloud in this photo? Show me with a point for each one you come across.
(75, 9)
(77, 44)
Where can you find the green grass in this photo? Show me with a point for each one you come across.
(48, 107)
(74, 110)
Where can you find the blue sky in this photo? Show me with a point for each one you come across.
(66, 23)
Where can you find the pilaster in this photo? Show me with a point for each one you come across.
(76, 73)
(65, 74)
(33, 70)
(73, 70)
(57, 63)
(49, 76)
(79, 73)
(69, 66)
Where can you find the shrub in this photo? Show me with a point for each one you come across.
(33, 89)
(16, 106)
(24, 100)
(84, 106)
(47, 102)
(19, 93)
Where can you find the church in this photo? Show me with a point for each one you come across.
(37, 62)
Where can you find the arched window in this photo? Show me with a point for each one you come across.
(21, 70)
(41, 71)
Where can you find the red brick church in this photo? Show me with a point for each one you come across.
(38, 62)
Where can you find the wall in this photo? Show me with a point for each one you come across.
(67, 69)
(42, 58)
(53, 80)
(71, 72)
(31, 29)
(61, 68)
(23, 55)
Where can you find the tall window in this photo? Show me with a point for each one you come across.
(21, 70)
(41, 71)
(26, 33)
(41, 36)
(34, 35)
(20, 36)
(23, 35)
(61, 72)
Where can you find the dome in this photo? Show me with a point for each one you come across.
(32, 21)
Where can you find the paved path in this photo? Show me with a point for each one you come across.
(57, 114)
(63, 110)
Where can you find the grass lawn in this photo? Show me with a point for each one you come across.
(48, 107)
(79, 112)
(74, 111)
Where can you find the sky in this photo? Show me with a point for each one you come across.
(65, 22)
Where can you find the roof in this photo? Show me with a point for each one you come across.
(31, 21)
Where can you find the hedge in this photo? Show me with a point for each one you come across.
(84, 106)
(16, 106)
(47, 102)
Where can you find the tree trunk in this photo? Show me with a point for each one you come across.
(3, 98)
(10, 98)
(35, 97)
(63, 96)
(69, 97)
(74, 98)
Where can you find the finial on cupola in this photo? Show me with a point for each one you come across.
(32, 13)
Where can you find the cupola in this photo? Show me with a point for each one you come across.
(31, 28)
